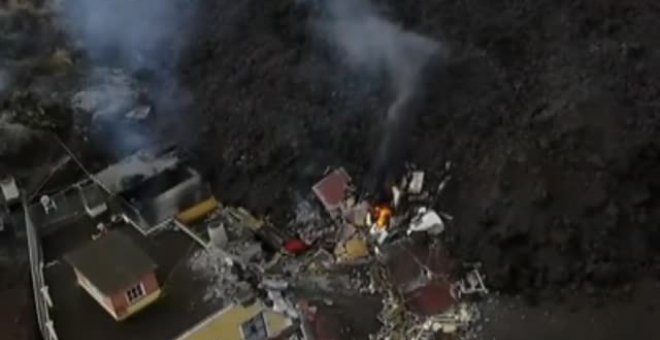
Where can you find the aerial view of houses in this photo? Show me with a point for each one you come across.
(329, 170)
(143, 249)
(116, 273)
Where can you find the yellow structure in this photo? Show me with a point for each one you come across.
(245, 218)
(351, 250)
(198, 211)
(140, 305)
(230, 323)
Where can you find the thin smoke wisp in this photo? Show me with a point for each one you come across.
(370, 44)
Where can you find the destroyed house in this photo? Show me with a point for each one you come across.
(421, 274)
(116, 273)
(177, 192)
(332, 190)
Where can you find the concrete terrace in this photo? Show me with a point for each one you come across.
(77, 316)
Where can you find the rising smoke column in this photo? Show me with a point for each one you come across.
(372, 45)
(137, 37)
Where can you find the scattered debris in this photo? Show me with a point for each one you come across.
(387, 247)
(332, 190)
(10, 193)
(426, 221)
(416, 182)
(352, 250)
(473, 283)
(218, 235)
(421, 295)
(211, 264)
(295, 246)
(455, 320)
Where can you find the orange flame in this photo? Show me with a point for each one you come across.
(383, 215)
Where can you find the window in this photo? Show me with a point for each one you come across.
(135, 293)
(255, 328)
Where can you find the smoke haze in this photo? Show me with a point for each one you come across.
(370, 44)
(145, 37)
(12, 135)
(131, 34)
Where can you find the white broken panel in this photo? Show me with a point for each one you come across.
(416, 182)
(108, 94)
(473, 283)
(9, 189)
(218, 235)
(139, 113)
(427, 221)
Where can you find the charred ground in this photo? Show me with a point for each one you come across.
(547, 108)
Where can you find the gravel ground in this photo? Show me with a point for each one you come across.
(631, 316)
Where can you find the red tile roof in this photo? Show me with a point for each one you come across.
(331, 190)
(434, 298)
(423, 296)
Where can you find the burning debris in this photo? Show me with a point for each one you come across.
(352, 232)
(373, 46)
(423, 296)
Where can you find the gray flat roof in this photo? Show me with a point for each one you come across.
(141, 164)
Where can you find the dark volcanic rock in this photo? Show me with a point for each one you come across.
(547, 109)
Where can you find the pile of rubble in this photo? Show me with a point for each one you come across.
(390, 248)
(424, 292)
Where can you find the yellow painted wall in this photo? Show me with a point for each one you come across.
(226, 325)
(140, 305)
(106, 302)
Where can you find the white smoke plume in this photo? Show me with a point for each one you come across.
(12, 135)
(132, 34)
(369, 43)
(129, 37)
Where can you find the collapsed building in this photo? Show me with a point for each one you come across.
(144, 216)
(420, 282)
